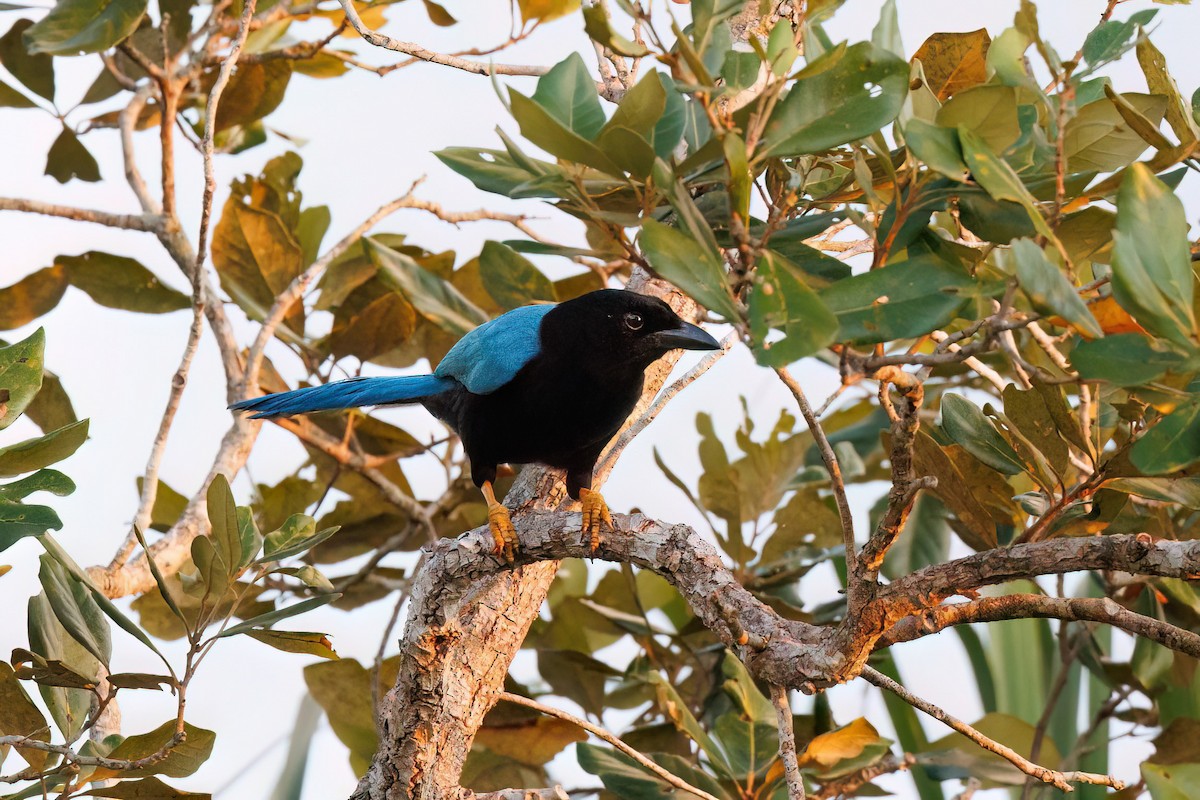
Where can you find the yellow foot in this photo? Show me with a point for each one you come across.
(595, 514)
(501, 525)
(503, 532)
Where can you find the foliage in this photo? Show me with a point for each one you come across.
(1056, 339)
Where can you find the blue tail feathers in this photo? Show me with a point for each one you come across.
(350, 393)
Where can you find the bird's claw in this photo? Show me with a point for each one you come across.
(595, 515)
(503, 532)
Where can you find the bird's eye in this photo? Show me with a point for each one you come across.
(633, 321)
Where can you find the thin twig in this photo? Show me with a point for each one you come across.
(831, 464)
(601, 733)
(131, 222)
(415, 50)
(787, 742)
(1060, 780)
(661, 400)
(986, 372)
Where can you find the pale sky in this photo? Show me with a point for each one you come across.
(368, 138)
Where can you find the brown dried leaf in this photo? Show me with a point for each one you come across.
(954, 61)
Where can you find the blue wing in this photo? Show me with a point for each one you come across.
(492, 354)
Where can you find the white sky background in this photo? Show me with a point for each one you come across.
(368, 139)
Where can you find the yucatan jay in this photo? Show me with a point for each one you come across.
(546, 384)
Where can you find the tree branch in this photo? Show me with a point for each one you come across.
(787, 742)
(601, 733)
(1026, 606)
(1060, 780)
(131, 222)
(415, 50)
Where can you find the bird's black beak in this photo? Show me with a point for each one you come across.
(686, 337)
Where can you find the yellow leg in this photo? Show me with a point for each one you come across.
(501, 525)
(595, 514)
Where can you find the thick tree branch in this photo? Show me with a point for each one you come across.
(131, 222)
(1026, 606)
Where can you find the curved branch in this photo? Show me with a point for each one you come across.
(1025, 606)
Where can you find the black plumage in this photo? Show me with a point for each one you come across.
(558, 403)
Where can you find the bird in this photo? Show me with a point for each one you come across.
(543, 384)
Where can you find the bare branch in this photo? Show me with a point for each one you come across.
(601, 733)
(848, 784)
(131, 222)
(415, 50)
(1025, 606)
(787, 742)
(986, 372)
(835, 472)
(1060, 780)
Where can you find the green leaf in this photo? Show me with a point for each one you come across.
(599, 29)
(45, 480)
(307, 574)
(34, 71)
(21, 366)
(106, 605)
(313, 644)
(75, 609)
(289, 542)
(1173, 443)
(169, 505)
(1124, 359)
(990, 112)
(902, 300)
(546, 131)
(676, 710)
(1171, 781)
(1108, 40)
(937, 147)
(568, 93)
(1152, 269)
(437, 300)
(343, 689)
(33, 454)
(222, 515)
(11, 98)
(51, 407)
(271, 617)
(145, 789)
(1049, 289)
(847, 94)
(490, 170)
(693, 267)
(75, 27)
(576, 676)
(781, 301)
(511, 279)
(1098, 138)
(181, 760)
(31, 297)
(18, 520)
(966, 424)
(254, 91)
(998, 179)
(68, 159)
(1185, 491)
(60, 665)
(924, 540)
(620, 774)
(122, 283)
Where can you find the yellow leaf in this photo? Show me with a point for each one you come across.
(1110, 315)
(846, 742)
(546, 10)
(954, 61)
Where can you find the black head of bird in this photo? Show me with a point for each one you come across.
(547, 384)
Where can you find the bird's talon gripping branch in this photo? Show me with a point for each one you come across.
(595, 515)
(501, 525)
